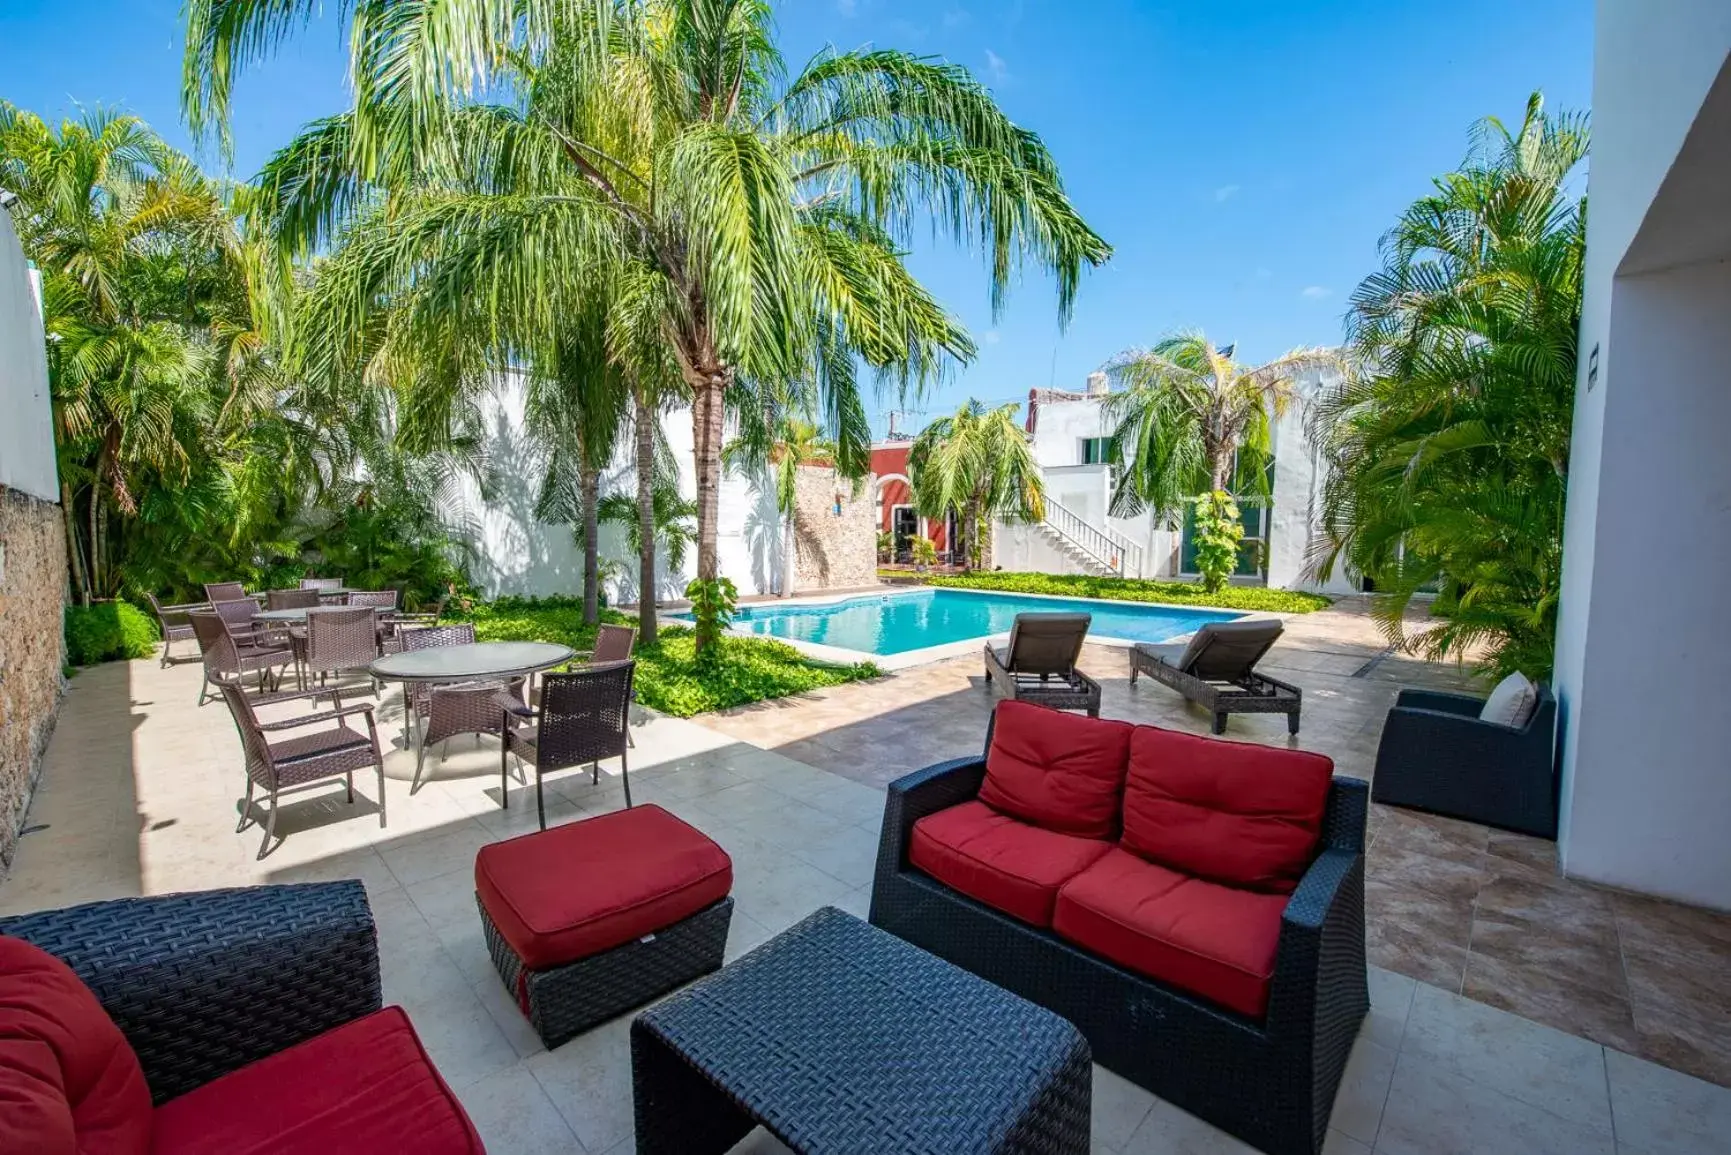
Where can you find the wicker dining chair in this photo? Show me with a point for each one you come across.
(443, 711)
(585, 716)
(229, 657)
(306, 759)
(384, 605)
(175, 622)
(291, 599)
(340, 640)
(392, 642)
(216, 592)
(322, 584)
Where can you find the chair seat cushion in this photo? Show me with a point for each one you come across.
(366, 1086)
(1062, 772)
(1231, 812)
(576, 890)
(999, 860)
(1214, 941)
(69, 1080)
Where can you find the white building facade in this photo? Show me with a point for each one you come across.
(1070, 433)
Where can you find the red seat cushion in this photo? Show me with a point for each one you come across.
(1060, 771)
(1230, 812)
(1214, 941)
(999, 860)
(364, 1087)
(69, 1080)
(563, 894)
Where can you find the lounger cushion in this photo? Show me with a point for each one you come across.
(576, 890)
(1214, 941)
(69, 1080)
(1063, 772)
(1231, 812)
(1512, 702)
(999, 860)
(366, 1086)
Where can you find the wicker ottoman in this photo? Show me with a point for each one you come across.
(588, 920)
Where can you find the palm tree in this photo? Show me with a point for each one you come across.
(978, 463)
(497, 169)
(1190, 415)
(1448, 456)
(775, 435)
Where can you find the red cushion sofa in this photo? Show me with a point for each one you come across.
(231, 1022)
(1195, 906)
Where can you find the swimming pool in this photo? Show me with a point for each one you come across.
(896, 623)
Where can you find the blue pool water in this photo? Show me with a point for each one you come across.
(896, 623)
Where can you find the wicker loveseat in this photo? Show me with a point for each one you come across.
(1236, 1001)
(215, 1022)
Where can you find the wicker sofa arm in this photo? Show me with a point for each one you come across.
(1460, 705)
(1320, 957)
(204, 983)
(913, 796)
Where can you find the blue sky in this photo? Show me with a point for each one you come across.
(1242, 156)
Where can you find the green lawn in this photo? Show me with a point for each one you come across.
(1253, 598)
(668, 676)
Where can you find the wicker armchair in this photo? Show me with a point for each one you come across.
(175, 623)
(215, 592)
(291, 599)
(229, 657)
(306, 759)
(203, 984)
(585, 716)
(339, 641)
(443, 711)
(1436, 754)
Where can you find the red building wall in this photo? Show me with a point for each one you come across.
(891, 460)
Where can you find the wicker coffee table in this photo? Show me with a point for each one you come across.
(840, 1038)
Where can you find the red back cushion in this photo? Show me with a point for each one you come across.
(1063, 772)
(69, 1081)
(1230, 812)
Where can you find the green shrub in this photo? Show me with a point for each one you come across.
(1251, 598)
(712, 605)
(1218, 532)
(669, 676)
(106, 631)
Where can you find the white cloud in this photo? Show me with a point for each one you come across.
(1225, 193)
(1315, 292)
(996, 70)
(989, 337)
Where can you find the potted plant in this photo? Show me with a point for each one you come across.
(925, 552)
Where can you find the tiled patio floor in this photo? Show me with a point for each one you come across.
(1475, 911)
(139, 793)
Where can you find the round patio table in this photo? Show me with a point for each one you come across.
(474, 662)
(299, 614)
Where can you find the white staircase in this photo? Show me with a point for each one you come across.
(1091, 549)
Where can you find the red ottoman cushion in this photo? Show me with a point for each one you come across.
(563, 894)
(1003, 862)
(1060, 771)
(367, 1086)
(68, 1078)
(1229, 812)
(1215, 941)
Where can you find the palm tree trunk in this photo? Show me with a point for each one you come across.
(95, 547)
(591, 484)
(645, 417)
(75, 555)
(708, 399)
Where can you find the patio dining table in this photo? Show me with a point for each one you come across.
(473, 662)
(298, 615)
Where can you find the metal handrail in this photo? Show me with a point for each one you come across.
(1115, 553)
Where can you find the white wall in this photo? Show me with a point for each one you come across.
(1641, 644)
(27, 433)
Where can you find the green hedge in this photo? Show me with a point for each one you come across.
(1254, 598)
(107, 631)
(669, 677)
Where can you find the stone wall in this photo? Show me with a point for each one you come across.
(32, 592)
(833, 552)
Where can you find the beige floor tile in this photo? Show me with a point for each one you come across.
(1119, 1107)
(1166, 1130)
(1666, 1112)
(1358, 1105)
(514, 1115)
(589, 1082)
(1433, 1111)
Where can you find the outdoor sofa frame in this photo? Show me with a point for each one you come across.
(1270, 1083)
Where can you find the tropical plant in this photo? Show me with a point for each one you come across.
(502, 166)
(886, 545)
(977, 462)
(924, 551)
(1448, 453)
(1217, 536)
(713, 602)
(1191, 420)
